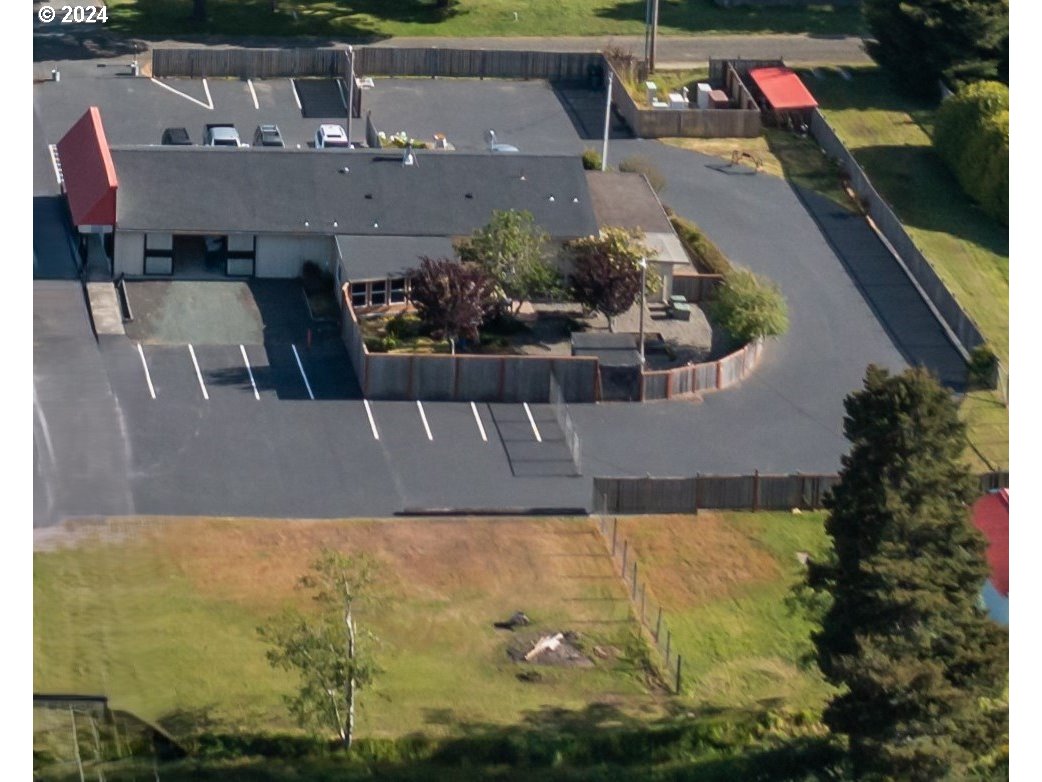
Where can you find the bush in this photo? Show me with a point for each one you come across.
(592, 160)
(749, 307)
(703, 252)
(404, 327)
(638, 164)
(972, 137)
(982, 367)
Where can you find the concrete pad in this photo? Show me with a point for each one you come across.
(105, 309)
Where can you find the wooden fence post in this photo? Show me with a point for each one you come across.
(658, 624)
(634, 595)
(614, 534)
(669, 638)
(756, 490)
(625, 551)
(678, 674)
(642, 596)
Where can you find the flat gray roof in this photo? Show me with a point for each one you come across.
(377, 257)
(214, 190)
(626, 200)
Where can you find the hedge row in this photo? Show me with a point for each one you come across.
(972, 136)
(704, 253)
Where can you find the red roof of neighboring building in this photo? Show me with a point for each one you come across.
(90, 176)
(783, 89)
(991, 516)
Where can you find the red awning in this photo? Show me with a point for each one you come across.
(90, 177)
(783, 89)
(991, 516)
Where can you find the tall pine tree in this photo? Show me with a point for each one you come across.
(918, 663)
(921, 41)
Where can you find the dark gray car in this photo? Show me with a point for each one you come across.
(268, 136)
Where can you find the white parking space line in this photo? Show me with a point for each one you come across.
(198, 374)
(296, 97)
(372, 421)
(249, 369)
(53, 149)
(253, 92)
(148, 376)
(423, 417)
(187, 97)
(206, 89)
(477, 418)
(535, 429)
(303, 374)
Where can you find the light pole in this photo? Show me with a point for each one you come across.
(643, 283)
(350, 92)
(607, 121)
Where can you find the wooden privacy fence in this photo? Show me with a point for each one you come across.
(695, 287)
(966, 332)
(465, 377)
(728, 492)
(480, 63)
(696, 378)
(248, 63)
(645, 607)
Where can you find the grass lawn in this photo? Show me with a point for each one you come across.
(385, 18)
(888, 135)
(783, 154)
(723, 580)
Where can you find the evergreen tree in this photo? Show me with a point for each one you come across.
(920, 666)
(921, 41)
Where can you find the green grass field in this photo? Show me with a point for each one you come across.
(723, 581)
(386, 18)
(889, 136)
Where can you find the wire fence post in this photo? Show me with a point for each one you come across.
(679, 658)
(633, 596)
(625, 551)
(669, 637)
(658, 624)
(614, 534)
(642, 596)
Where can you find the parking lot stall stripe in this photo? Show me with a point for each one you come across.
(209, 99)
(253, 93)
(535, 429)
(186, 97)
(477, 418)
(148, 376)
(372, 421)
(423, 417)
(256, 394)
(198, 374)
(296, 97)
(303, 374)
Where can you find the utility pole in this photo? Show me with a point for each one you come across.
(643, 284)
(350, 92)
(607, 121)
(654, 36)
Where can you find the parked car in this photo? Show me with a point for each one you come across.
(330, 136)
(268, 136)
(177, 137)
(221, 135)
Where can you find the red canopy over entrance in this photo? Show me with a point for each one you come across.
(88, 172)
(783, 89)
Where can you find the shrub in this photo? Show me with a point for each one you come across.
(982, 366)
(638, 164)
(972, 137)
(749, 306)
(592, 160)
(703, 252)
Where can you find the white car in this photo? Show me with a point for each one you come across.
(331, 136)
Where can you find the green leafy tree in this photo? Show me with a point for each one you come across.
(452, 299)
(920, 667)
(971, 134)
(326, 648)
(749, 306)
(923, 41)
(512, 250)
(607, 270)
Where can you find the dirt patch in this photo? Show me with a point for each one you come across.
(696, 560)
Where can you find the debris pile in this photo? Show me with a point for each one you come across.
(561, 648)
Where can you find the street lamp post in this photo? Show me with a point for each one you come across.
(350, 92)
(607, 122)
(643, 283)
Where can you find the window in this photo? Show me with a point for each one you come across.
(398, 291)
(358, 294)
(378, 293)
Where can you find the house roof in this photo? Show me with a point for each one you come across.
(991, 516)
(376, 257)
(782, 88)
(626, 200)
(213, 190)
(88, 171)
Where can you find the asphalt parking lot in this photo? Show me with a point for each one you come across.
(208, 439)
